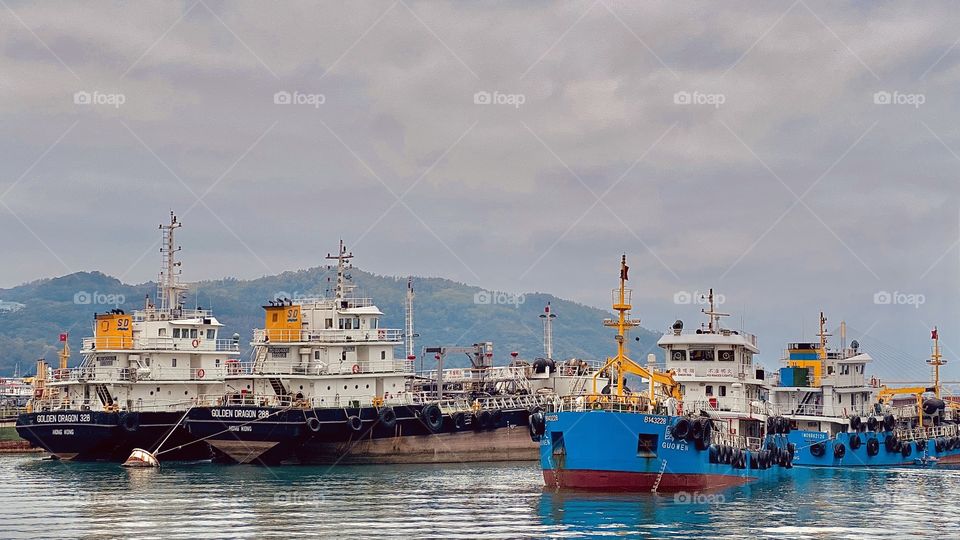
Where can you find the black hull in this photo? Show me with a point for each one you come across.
(271, 436)
(109, 436)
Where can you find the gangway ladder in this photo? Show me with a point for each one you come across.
(104, 395)
(278, 388)
(260, 358)
(656, 484)
(803, 403)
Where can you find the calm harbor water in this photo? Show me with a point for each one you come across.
(500, 500)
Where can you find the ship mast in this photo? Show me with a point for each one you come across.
(713, 314)
(342, 257)
(169, 289)
(823, 337)
(409, 321)
(621, 304)
(547, 331)
(936, 360)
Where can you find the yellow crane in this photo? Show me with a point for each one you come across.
(623, 364)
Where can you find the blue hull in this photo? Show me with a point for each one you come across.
(816, 449)
(628, 451)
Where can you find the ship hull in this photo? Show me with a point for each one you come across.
(267, 435)
(617, 451)
(109, 436)
(806, 441)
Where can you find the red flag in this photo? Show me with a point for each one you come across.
(933, 334)
(63, 337)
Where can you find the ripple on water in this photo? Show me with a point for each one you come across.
(505, 500)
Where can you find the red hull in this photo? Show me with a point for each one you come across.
(952, 459)
(635, 481)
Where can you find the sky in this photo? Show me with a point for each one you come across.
(795, 156)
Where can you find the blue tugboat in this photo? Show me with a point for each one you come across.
(615, 440)
(841, 420)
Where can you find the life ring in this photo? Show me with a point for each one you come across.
(356, 368)
(195, 343)
(381, 334)
(313, 424)
(388, 417)
(201, 373)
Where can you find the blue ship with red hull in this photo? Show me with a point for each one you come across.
(659, 440)
(842, 420)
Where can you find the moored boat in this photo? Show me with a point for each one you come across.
(661, 440)
(139, 374)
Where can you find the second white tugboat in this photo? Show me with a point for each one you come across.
(325, 386)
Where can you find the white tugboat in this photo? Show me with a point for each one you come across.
(139, 375)
(324, 385)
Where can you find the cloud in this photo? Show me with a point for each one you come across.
(502, 196)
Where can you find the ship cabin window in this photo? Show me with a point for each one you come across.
(276, 318)
(829, 370)
(193, 333)
(216, 362)
(162, 332)
(723, 390)
(316, 355)
(328, 324)
(374, 322)
(844, 370)
(173, 362)
(343, 356)
(701, 355)
(176, 332)
(709, 390)
(211, 333)
(678, 355)
(383, 355)
(726, 355)
(647, 445)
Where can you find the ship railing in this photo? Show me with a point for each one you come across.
(490, 374)
(371, 335)
(601, 402)
(928, 432)
(100, 374)
(155, 314)
(731, 405)
(108, 343)
(317, 368)
(63, 403)
(736, 441)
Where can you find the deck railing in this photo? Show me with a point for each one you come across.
(278, 336)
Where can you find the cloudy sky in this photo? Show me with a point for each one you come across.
(795, 156)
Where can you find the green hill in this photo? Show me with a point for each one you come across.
(446, 313)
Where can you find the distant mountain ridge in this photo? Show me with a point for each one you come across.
(445, 313)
